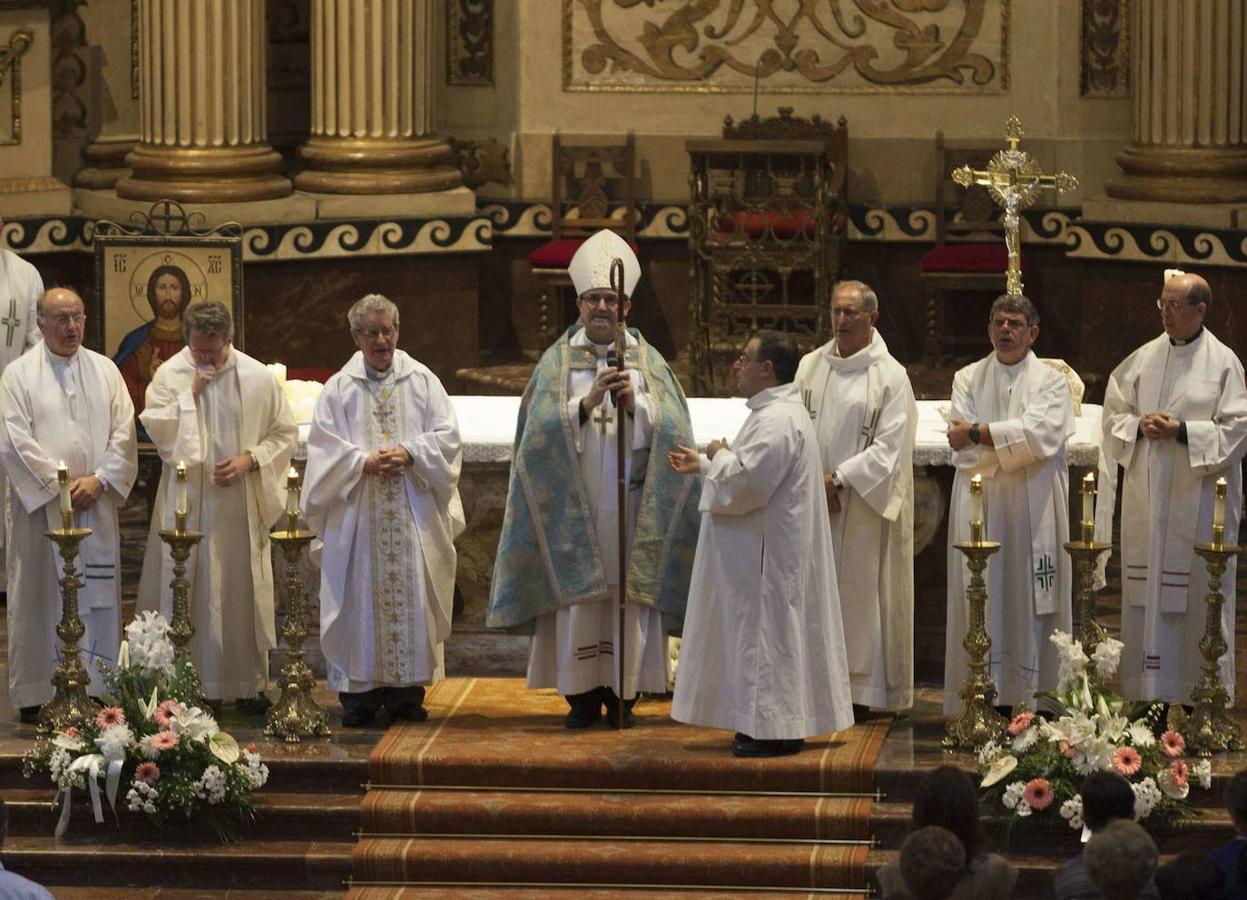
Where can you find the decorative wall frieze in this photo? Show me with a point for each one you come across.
(1104, 58)
(735, 46)
(470, 43)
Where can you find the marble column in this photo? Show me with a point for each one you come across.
(373, 80)
(1190, 118)
(202, 89)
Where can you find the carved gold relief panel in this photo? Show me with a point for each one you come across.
(786, 46)
(1105, 45)
(12, 50)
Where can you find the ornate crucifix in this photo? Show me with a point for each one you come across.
(1013, 178)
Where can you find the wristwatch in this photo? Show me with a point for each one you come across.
(974, 433)
(837, 481)
(255, 463)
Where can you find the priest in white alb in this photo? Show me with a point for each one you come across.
(763, 653)
(63, 404)
(863, 409)
(1010, 420)
(222, 414)
(381, 491)
(1175, 417)
(557, 570)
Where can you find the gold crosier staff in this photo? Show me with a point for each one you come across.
(621, 483)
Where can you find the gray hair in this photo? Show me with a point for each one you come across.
(1015, 303)
(210, 318)
(870, 300)
(377, 303)
(1120, 858)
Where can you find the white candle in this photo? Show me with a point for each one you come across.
(292, 492)
(976, 499)
(1088, 497)
(1218, 508)
(181, 508)
(62, 477)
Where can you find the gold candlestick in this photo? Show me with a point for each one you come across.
(70, 705)
(296, 714)
(978, 722)
(181, 541)
(1211, 728)
(1084, 554)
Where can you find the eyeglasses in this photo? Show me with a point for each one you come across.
(372, 334)
(594, 299)
(1171, 306)
(65, 318)
(1010, 324)
(745, 357)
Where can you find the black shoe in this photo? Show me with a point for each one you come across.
(29, 715)
(586, 709)
(358, 717)
(611, 702)
(752, 748)
(861, 713)
(253, 706)
(359, 710)
(405, 704)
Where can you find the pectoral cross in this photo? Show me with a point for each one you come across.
(870, 428)
(1013, 179)
(10, 322)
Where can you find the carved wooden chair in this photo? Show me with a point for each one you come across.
(593, 187)
(767, 219)
(969, 252)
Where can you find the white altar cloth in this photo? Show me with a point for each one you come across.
(487, 427)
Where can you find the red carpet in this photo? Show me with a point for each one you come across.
(492, 793)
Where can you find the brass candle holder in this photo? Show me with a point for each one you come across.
(70, 705)
(1211, 729)
(296, 714)
(978, 722)
(181, 541)
(1085, 553)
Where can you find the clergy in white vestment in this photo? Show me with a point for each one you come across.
(863, 409)
(62, 403)
(20, 289)
(1010, 420)
(763, 652)
(381, 491)
(557, 568)
(1175, 417)
(224, 415)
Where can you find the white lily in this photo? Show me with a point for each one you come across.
(123, 655)
(149, 706)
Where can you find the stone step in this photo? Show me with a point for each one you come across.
(118, 862)
(320, 816)
(431, 812)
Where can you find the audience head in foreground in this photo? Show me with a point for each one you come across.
(933, 862)
(1120, 859)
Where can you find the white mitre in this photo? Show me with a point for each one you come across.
(591, 266)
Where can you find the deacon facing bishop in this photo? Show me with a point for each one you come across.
(63, 403)
(763, 653)
(1010, 421)
(223, 414)
(381, 490)
(557, 569)
(1175, 417)
(864, 413)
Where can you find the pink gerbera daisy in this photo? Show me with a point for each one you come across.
(1020, 723)
(110, 716)
(71, 731)
(1179, 771)
(1038, 793)
(1172, 744)
(147, 772)
(1067, 750)
(1127, 760)
(164, 740)
(164, 712)
(250, 748)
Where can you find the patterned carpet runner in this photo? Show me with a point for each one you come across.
(493, 796)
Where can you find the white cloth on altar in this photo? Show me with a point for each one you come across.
(573, 648)
(230, 571)
(1026, 508)
(1167, 506)
(386, 546)
(74, 410)
(763, 650)
(864, 413)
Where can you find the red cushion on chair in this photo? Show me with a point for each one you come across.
(966, 258)
(558, 254)
(758, 226)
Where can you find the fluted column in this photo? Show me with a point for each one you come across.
(202, 88)
(1190, 118)
(373, 81)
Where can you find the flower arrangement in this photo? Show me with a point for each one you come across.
(1044, 761)
(152, 746)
